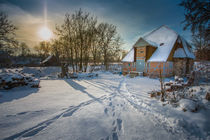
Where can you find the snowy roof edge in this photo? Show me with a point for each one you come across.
(124, 59)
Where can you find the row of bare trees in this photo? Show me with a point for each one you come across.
(82, 39)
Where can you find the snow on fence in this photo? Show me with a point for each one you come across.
(113, 67)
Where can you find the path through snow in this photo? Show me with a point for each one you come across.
(109, 107)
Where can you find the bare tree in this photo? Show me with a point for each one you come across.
(202, 47)
(7, 34)
(161, 78)
(109, 42)
(23, 49)
(83, 40)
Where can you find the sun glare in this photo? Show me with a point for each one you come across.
(45, 33)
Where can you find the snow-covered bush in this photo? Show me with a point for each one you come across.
(193, 95)
(179, 95)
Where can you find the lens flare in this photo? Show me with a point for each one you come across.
(45, 33)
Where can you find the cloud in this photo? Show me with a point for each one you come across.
(132, 18)
(27, 24)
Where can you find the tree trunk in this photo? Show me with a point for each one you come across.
(161, 84)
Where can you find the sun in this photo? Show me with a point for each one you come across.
(45, 33)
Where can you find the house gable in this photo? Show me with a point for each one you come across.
(182, 46)
(141, 43)
(139, 51)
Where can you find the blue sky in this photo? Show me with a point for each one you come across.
(133, 18)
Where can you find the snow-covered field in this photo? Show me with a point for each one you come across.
(107, 107)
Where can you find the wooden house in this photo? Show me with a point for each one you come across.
(160, 50)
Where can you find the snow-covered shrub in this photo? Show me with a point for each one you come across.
(178, 94)
(194, 94)
(155, 94)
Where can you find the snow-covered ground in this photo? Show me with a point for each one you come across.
(107, 107)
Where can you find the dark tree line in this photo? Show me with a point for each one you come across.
(197, 15)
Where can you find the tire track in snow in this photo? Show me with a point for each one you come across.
(39, 127)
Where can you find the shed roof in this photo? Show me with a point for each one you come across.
(129, 57)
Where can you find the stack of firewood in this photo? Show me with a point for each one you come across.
(16, 79)
(174, 85)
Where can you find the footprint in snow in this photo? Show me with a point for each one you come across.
(21, 113)
(105, 110)
(113, 108)
(114, 129)
(119, 124)
(113, 123)
(110, 104)
(114, 136)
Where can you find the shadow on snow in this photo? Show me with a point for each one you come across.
(16, 93)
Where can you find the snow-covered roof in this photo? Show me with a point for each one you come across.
(179, 53)
(129, 57)
(144, 42)
(187, 49)
(166, 38)
(151, 42)
(47, 59)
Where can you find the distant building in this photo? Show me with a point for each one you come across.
(51, 60)
(162, 49)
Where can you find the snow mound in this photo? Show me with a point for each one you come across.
(187, 104)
